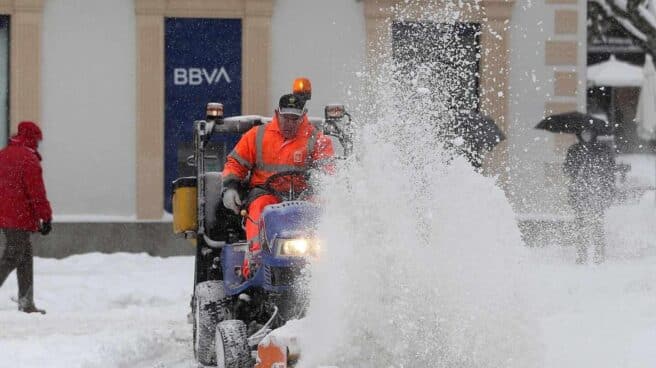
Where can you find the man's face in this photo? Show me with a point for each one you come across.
(587, 136)
(289, 124)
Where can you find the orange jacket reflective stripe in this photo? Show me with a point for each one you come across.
(263, 151)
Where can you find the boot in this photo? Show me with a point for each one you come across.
(27, 306)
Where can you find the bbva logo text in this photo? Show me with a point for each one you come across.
(198, 76)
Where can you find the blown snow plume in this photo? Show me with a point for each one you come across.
(422, 256)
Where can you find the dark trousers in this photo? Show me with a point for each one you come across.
(18, 256)
(590, 234)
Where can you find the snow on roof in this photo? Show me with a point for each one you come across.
(615, 73)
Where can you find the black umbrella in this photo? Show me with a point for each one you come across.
(479, 131)
(574, 122)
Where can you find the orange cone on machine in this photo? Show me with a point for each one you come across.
(271, 355)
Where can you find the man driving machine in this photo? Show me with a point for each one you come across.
(288, 143)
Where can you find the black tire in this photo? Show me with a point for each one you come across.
(232, 349)
(210, 308)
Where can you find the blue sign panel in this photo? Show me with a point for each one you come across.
(203, 64)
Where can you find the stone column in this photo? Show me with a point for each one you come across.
(150, 108)
(25, 61)
(378, 22)
(495, 74)
(256, 57)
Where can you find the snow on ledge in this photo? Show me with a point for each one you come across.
(82, 218)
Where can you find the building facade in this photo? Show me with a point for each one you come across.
(107, 80)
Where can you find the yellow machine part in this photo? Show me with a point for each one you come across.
(185, 205)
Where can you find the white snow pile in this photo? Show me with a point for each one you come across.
(421, 257)
(420, 267)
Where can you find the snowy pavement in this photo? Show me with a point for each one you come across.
(128, 310)
(604, 316)
(120, 310)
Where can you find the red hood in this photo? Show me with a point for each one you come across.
(28, 136)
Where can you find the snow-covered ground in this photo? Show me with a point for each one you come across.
(603, 316)
(120, 310)
(427, 271)
(127, 310)
(642, 172)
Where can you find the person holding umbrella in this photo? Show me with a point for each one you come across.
(479, 134)
(590, 166)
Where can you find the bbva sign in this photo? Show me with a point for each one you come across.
(198, 76)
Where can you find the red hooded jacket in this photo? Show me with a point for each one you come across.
(23, 201)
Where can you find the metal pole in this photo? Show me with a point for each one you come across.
(199, 139)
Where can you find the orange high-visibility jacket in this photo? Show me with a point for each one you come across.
(263, 151)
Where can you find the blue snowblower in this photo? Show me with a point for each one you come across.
(232, 314)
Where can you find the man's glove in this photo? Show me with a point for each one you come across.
(231, 200)
(46, 227)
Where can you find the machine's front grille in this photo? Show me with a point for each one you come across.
(282, 276)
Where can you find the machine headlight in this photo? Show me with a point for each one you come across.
(300, 247)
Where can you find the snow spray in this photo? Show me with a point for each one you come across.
(422, 256)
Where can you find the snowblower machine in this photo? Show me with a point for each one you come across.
(234, 315)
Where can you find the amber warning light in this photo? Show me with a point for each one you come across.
(303, 87)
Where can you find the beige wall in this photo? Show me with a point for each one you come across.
(563, 54)
(256, 23)
(88, 105)
(494, 15)
(25, 59)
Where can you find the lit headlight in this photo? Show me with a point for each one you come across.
(298, 247)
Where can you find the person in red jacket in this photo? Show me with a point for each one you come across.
(24, 209)
(288, 143)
